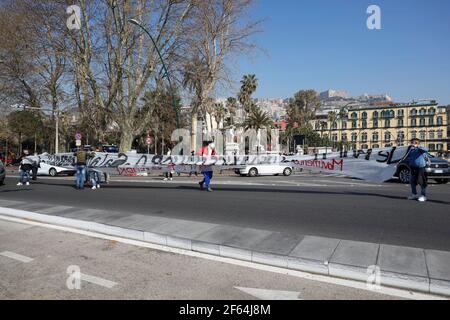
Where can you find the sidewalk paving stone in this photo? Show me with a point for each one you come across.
(438, 263)
(183, 228)
(219, 234)
(403, 260)
(248, 238)
(279, 243)
(315, 248)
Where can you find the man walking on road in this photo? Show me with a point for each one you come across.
(418, 159)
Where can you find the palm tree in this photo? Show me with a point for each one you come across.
(232, 106)
(258, 120)
(332, 117)
(219, 113)
(249, 83)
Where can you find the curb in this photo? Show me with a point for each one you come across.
(388, 279)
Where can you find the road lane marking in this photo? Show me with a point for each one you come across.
(265, 294)
(98, 281)
(16, 256)
(401, 293)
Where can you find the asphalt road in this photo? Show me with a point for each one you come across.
(305, 204)
(39, 263)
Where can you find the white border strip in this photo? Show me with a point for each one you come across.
(399, 293)
(16, 256)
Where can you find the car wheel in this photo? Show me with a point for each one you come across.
(442, 181)
(52, 172)
(253, 172)
(287, 172)
(404, 175)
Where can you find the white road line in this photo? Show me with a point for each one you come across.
(406, 294)
(98, 281)
(16, 256)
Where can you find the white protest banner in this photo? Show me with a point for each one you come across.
(372, 165)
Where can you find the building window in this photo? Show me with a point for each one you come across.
(440, 121)
(400, 123)
(387, 123)
(364, 137)
(422, 122)
(440, 134)
(400, 137)
(354, 115)
(440, 147)
(354, 137)
(375, 115)
(431, 121)
(431, 135)
(334, 126)
(432, 111)
(387, 137)
(364, 147)
(413, 112)
(423, 112)
(364, 115)
(413, 122)
(344, 137)
(334, 138)
(364, 124)
(375, 123)
(375, 137)
(354, 124)
(401, 113)
(376, 146)
(414, 135)
(422, 135)
(432, 147)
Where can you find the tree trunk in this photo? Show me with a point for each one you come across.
(126, 140)
(193, 131)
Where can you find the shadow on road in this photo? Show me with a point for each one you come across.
(221, 188)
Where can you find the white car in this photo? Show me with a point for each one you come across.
(50, 170)
(265, 170)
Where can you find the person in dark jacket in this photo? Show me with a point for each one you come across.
(81, 162)
(417, 159)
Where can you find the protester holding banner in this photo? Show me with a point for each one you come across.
(417, 159)
(81, 161)
(207, 150)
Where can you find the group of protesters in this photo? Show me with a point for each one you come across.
(417, 159)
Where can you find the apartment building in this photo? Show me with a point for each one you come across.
(386, 126)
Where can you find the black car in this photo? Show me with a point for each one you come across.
(439, 170)
(2, 173)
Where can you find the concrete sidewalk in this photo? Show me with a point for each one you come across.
(402, 267)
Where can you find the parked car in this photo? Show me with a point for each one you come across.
(265, 170)
(110, 149)
(46, 169)
(439, 170)
(2, 173)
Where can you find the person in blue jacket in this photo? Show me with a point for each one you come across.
(418, 159)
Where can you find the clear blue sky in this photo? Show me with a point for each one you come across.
(325, 44)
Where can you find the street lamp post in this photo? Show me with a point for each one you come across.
(166, 72)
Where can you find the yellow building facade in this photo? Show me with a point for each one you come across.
(380, 127)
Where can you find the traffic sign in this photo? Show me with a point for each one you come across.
(78, 136)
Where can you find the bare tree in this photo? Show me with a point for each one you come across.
(115, 63)
(218, 30)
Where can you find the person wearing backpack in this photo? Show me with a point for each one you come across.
(418, 159)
